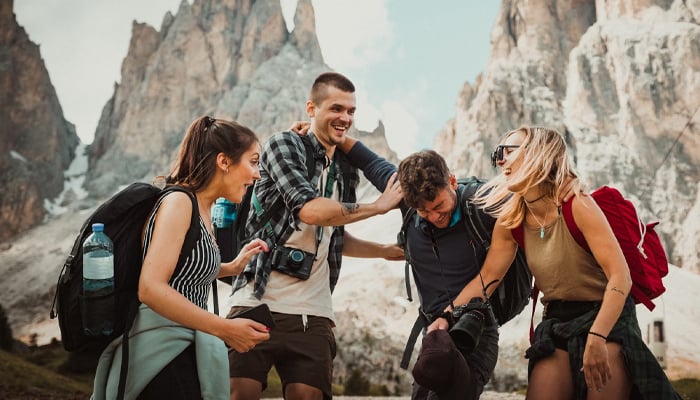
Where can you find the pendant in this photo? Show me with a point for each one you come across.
(541, 232)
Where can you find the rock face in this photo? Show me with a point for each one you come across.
(36, 142)
(230, 59)
(619, 79)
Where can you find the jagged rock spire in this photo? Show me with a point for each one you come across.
(304, 34)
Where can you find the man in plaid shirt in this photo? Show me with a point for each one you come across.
(307, 241)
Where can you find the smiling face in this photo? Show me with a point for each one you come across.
(511, 148)
(439, 210)
(332, 116)
(243, 174)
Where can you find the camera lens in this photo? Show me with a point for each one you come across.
(296, 256)
(467, 330)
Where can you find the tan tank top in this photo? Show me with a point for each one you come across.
(562, 269)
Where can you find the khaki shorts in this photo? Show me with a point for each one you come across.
(299, 355)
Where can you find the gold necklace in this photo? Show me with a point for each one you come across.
(541, 224)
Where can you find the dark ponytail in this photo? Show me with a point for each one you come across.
(206, 137)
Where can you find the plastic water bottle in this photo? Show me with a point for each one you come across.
(222, 216)
(223, 213)
(98, 283)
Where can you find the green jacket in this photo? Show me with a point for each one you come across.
(154, 342)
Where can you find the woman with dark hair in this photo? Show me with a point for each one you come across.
(177, 350)
(588, 345)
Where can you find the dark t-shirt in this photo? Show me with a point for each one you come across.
(439, 275)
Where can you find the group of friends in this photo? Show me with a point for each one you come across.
(588, 345)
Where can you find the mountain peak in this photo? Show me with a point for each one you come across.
(304, 34)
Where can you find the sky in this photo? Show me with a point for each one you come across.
(408, 61)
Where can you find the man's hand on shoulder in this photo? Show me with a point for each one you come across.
(300, 127)
(391, 197)
(570, 186)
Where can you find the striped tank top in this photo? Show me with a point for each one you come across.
(192, 280)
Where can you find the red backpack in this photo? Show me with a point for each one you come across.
(639, 242)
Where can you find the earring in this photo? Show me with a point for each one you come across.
(227, 170)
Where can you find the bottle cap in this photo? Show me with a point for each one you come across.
(222, 200)
(98, 227)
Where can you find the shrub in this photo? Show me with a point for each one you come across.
(5, 331)
(356, 384)
(688, 388)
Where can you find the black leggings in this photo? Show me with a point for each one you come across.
(177, 380)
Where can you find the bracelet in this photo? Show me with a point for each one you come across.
(598, 334)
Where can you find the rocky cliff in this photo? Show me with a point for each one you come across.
(231, 59)
(36, 142)
(619, 79)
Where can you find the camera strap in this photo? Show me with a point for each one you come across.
(327, 192)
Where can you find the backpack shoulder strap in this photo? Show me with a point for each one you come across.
(470, 214)
(310, 159)
(571, 224)
(519, 235)
(193, 233)
(191, 237)
(401, 240)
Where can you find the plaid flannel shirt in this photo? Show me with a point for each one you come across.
(283, 174)
(649, 380)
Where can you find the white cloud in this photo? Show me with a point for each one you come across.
(401, 128)
(367, 116)
(353, 34)
(353, 37)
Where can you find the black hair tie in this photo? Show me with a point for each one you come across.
(209, 121)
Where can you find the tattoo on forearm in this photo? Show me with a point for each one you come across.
(614, 289)
(349, 208)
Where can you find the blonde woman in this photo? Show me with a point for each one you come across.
(588, 345)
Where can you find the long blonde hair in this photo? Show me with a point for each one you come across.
(541, 160)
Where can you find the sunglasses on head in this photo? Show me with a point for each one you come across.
(497, 154)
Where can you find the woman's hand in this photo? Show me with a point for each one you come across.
(596, 367)
(236, 266)
(243, 334)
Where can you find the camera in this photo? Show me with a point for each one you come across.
(293, 262)
(470, 320)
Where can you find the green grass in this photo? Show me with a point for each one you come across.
(689, 389)
(20, 378)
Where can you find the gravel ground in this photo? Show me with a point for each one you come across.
(484, 396)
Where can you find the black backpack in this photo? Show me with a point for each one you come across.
(124, 216)
(510, 297)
